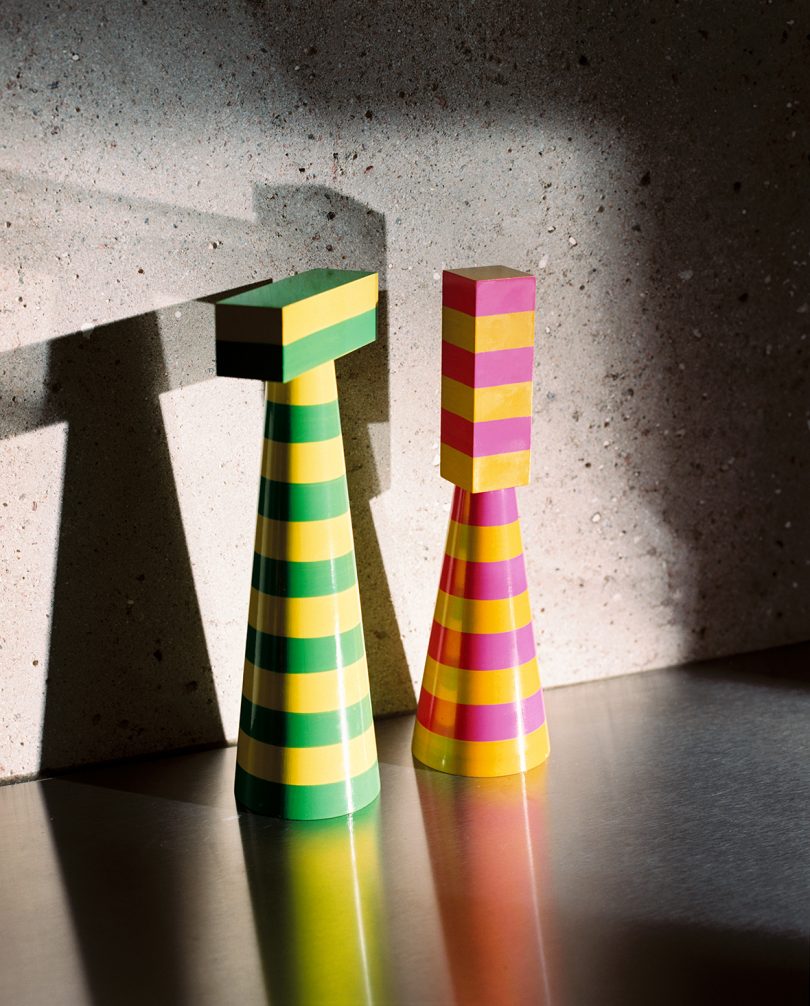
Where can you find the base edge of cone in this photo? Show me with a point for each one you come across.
(480, 758)
(306, 803)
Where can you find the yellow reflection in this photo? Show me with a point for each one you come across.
(316, 892)
(487, 844)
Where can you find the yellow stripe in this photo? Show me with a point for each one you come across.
(318, 461)
(307, 766)
(488, 332)
(463, 614)
(478, 688)
(456, 467)
(480, 758)
(305, 617)
(478, 405)
(501, 471)
(316, 387)
(304, 540)
(310, 315)
(484, 544)
(320, 692)
(478, 475)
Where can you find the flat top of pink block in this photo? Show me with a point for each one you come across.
(484, 272)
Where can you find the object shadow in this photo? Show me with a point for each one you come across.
(781, 667)
(687, 963)
(348, 234)
(128, 903)
(128, 667)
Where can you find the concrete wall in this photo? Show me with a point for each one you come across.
(649, 162)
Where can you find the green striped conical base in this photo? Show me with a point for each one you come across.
(306, 745)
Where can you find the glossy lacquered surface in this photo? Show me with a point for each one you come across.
(660, 856)
(306, 735)
(480, 710)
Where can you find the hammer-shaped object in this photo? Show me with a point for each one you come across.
(306, 744)
(481, 708)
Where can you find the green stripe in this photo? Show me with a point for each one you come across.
(280, 578)
(304, 656)
(305, 730)
(301, 424)
(307, 803)
(328, 344)
(303, 500)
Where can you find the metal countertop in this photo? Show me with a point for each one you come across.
(660, 857)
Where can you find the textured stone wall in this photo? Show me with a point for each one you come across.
(649, 162)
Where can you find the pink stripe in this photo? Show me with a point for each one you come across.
(488, 296)
(457, 432)
(482, 440)
(504, 296)
(500, 722)
(487, 509)
(458, 364)
(503, 366)
(458, 293)
(487, 370)
(483, 581)
(476, 651)
(502, 436)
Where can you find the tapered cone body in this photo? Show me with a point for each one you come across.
(306, 738)
(481, 708)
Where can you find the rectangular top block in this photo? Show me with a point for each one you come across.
(277, 331)
(487, 369)
(485, 290)
(297, 306)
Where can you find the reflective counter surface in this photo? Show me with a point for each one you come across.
(661, 857)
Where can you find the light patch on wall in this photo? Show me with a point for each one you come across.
(31, 296)
(138, 251)
(33, 473)
(213, 431)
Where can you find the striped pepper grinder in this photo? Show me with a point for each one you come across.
(481, 711)
(306, 747)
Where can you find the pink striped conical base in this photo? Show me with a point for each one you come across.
(481, 707)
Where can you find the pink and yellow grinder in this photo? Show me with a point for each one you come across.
(481, 709)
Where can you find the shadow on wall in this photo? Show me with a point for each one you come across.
(128, 667)
(702, 329)
(358, 233)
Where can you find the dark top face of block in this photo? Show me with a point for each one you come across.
(294, 288)
(479, 273)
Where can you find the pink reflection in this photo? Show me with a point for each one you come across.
(488, 851)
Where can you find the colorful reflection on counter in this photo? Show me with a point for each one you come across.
(316, 892)
(487, 845)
